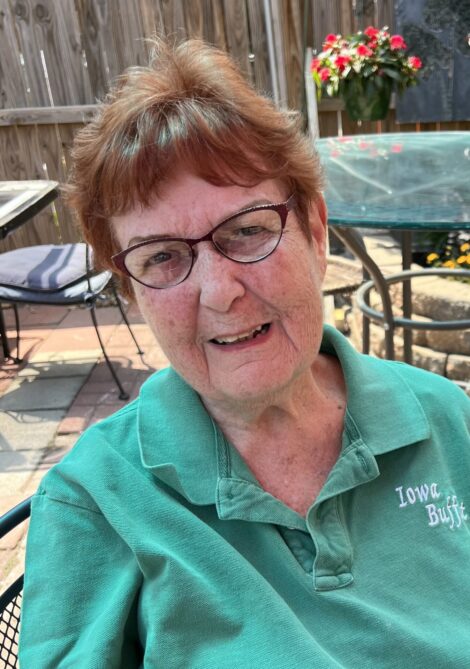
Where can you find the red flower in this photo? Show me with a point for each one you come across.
(324, 74)
(342, 61)
(415, 62)
(396, 148)
(329, 41)
(397, 42)
(371, 32)
(316, 63)
(363, 50)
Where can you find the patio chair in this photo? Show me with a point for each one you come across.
(10, 599)
(57, 275)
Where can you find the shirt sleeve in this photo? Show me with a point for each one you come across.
(80, 592)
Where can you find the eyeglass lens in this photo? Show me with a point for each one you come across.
(246, 238)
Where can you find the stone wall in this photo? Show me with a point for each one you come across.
(434, 298)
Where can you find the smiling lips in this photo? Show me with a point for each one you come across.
(244, 336)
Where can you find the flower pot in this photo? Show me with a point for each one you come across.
(367, 99)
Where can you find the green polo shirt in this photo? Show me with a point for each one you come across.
(152, 544)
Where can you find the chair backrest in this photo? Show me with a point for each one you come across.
(10, 599)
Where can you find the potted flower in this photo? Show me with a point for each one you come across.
(364, 68)
(453, 252)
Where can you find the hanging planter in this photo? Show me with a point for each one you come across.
(364, 68)
(367, 99)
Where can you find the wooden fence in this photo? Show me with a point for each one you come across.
(58, 58)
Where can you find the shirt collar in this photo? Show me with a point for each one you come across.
(385, 410)
(178, 439)
(182, 445)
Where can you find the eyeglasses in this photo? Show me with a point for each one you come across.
(246, 237)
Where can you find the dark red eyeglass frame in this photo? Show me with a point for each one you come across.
(282, 209)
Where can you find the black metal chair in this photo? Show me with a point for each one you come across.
(10, 599)
(57, 275)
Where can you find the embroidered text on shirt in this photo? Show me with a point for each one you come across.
(451, 512)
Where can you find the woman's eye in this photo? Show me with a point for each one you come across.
(249, 231)
(158, 258)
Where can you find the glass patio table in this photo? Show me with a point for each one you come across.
(397, 181)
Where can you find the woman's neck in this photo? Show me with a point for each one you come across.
(304, 399)
(291, 441)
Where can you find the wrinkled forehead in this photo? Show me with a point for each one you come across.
(190, 206)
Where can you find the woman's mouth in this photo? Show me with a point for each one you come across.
(242, 337)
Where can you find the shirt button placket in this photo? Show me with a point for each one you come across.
(333, 561)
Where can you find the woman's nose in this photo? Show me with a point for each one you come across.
(218, 278)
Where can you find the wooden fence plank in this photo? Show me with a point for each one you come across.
(58, 36)
(386, 14)
(45, 115)
(204, 20)
(49, 40)
(293, 52)
(28, 164)
(11, 168)
(173, 18)
(113, 34)
(217, 34)
(259, 46)
(151, 17)
(236, 29)
(52, 154)
(194, 19)
(364, 14)
(126, 35)
(113, 60)
(12, 83)
(277, 22)
(68, 228)
(37, 92)
(326, 16)
(67, 135)
(93, 43)
(346, 17)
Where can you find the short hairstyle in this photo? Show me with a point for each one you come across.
(189, 108)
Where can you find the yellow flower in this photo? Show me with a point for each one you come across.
(449, 263)
(465, 247)
(462, 259)
(432, 256)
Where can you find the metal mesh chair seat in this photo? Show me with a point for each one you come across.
(10, 625)
(10, 599)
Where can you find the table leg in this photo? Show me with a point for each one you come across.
(3, 336)
(353, 241)
(406, 249)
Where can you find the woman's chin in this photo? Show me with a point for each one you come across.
(252, 384)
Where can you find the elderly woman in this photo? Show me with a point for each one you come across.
(274, 499)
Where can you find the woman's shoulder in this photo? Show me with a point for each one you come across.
(428, 383)
(107, 449)
(103, 450)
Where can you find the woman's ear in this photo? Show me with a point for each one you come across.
(318, 218)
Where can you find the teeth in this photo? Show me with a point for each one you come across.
(242, 337)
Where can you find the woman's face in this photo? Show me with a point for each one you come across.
(222, 299)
